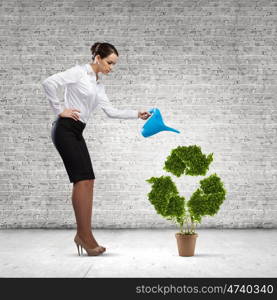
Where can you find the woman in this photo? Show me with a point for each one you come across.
(83, 93)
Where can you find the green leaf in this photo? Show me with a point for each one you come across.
(164, 196)
(207, 199)
(188, 160)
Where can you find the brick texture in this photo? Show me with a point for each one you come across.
(210, 67)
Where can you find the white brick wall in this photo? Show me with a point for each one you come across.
(210, 65)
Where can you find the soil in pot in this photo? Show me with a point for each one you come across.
(186, 243)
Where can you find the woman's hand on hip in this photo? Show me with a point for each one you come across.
(144, 115)
(70, 113)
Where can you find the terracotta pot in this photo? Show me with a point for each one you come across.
(186, 243)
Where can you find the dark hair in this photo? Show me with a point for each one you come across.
(103, 49)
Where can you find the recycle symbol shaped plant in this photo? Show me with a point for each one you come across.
(205, 201)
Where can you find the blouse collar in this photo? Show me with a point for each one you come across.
(91, 71)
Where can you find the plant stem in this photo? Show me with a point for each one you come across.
(187, 225)
(182, 227)
(192, 225)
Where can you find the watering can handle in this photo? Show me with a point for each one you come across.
(151, 111)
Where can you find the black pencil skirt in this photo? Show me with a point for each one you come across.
(66, 134)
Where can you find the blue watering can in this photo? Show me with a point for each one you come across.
(155, 124)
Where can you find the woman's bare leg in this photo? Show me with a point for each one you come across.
(82, 197)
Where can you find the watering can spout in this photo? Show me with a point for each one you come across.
(171, 129)
(155, 124)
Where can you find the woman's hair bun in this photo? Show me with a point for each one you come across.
(94, 48)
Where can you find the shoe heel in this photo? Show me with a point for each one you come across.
(78, 249)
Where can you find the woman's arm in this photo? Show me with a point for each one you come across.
(112, 112)
(52, 83)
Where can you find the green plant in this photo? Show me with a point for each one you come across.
(205, 201)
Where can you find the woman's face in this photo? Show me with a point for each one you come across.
(106, 64)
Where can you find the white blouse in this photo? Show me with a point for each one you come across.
(83, 92)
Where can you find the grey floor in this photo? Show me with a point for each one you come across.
(139, 253)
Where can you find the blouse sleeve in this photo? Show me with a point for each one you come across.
(51, 84)
(110, 111)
